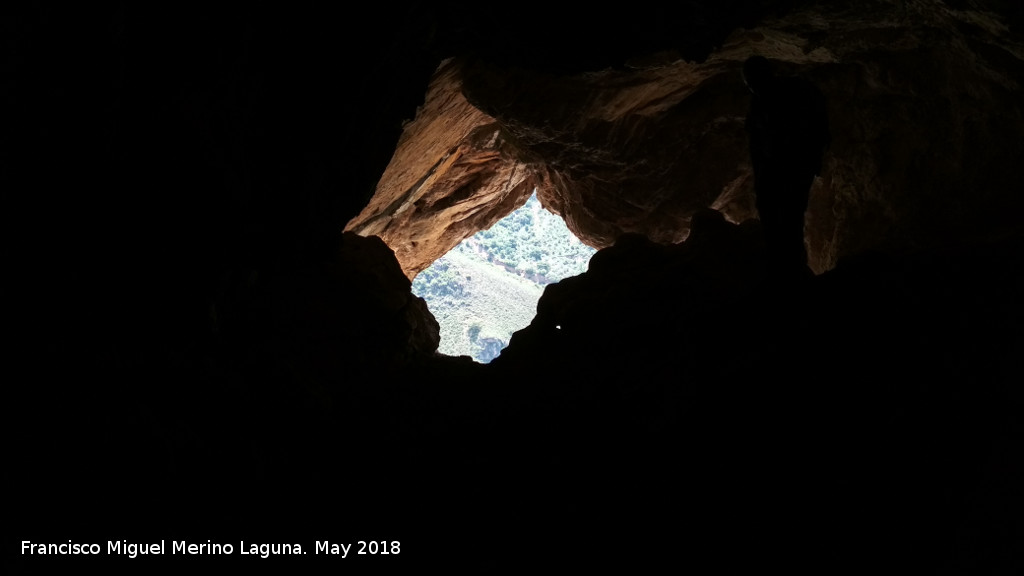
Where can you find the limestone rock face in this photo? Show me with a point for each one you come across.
(453, 173)
(925, 107)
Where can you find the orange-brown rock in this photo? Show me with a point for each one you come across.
(641, 148)
(453, 173)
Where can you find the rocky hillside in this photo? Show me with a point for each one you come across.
(488, 286)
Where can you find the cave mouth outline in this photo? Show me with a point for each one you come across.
(486, 288)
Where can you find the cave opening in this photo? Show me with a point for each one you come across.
(487, 287)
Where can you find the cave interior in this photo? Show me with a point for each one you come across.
(217, 213)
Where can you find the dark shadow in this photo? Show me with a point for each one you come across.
(788, 129)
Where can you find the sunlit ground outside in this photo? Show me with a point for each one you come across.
(487, 287)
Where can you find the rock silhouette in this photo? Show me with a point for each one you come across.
(789, 131)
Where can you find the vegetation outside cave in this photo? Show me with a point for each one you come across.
(487, 287)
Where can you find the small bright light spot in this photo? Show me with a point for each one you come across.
(488, 286)
(558, 327)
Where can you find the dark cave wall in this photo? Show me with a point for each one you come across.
(178, 179)
(921, 153)
(182, 152)
(195, 335)
(165, 156)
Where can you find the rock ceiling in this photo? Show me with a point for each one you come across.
(924, 101)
